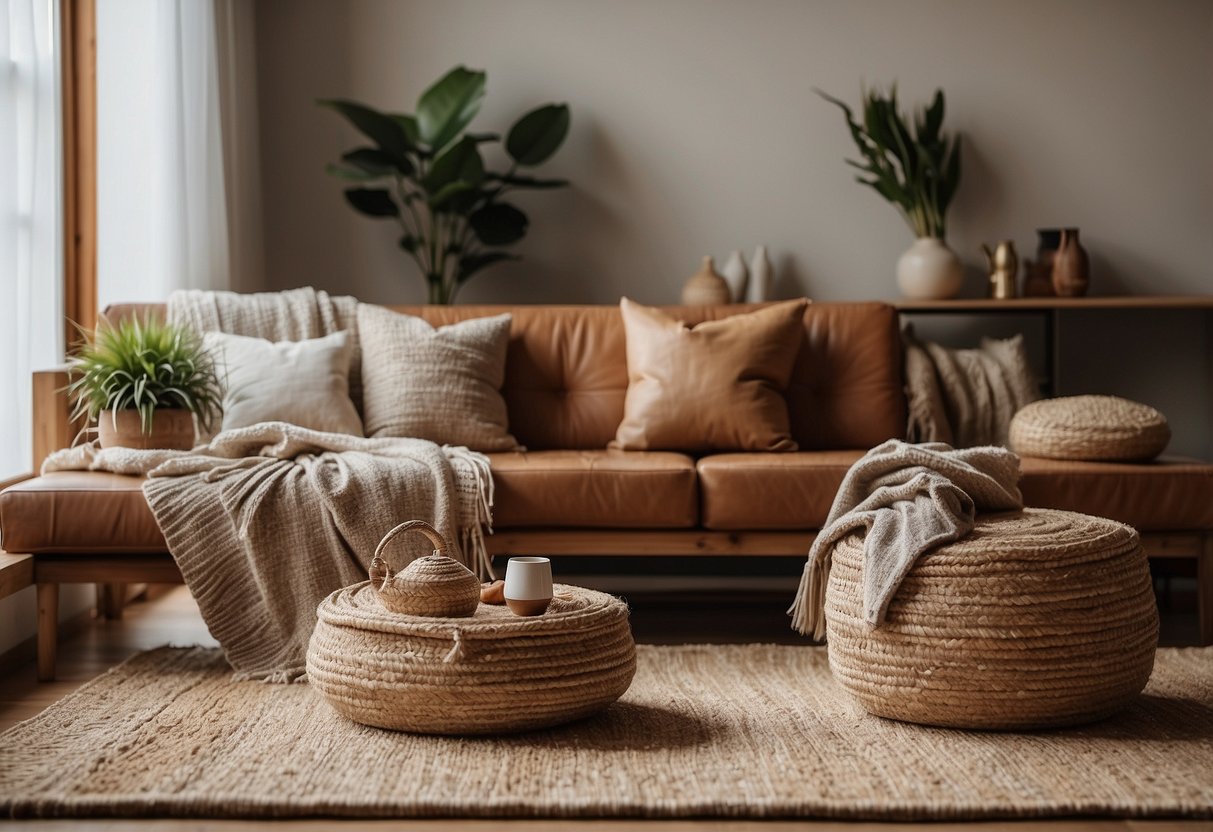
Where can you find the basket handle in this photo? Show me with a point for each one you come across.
(380, 572)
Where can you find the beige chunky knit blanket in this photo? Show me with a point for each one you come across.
(291, 315)
(265, 521)
(907, 499)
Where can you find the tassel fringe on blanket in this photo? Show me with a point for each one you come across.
(906, 499)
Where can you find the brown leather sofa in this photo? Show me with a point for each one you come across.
(568, 494)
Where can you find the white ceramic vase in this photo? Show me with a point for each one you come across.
(762, 277)
(929, 270)
(736, 275)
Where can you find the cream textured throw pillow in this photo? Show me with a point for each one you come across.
(305, 383)
(439, 384)
(715, 386)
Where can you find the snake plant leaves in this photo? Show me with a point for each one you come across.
(374, 202)
(911, 163)
(538, 134)
(382, 129)
(449, 105)
(951, 176)
(498, 224)
(928, 127)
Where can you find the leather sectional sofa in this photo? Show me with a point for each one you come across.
(567, 494)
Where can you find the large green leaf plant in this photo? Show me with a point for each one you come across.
(426, 173)
(918, 170)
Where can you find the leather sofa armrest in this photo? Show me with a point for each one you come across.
(53, 427)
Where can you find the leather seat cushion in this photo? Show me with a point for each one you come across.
(88, 511)
(588, 489)
(1169, 494)
(770, 491)
(79, 511)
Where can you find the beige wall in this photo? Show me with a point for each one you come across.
(695, 131)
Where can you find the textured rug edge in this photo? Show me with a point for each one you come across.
(183, 806)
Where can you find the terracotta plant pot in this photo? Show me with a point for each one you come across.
(172, 429)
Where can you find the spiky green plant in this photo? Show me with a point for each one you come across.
(918, 169)
(144, 365)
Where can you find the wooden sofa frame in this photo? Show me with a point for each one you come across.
(53, 430)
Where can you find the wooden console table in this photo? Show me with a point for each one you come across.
(1049, 309)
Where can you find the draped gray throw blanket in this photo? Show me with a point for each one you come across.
(265, 521)
(907, 499)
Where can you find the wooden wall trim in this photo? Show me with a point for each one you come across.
(78, 48)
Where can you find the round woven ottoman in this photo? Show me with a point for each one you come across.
(1037, 618)
(1093, 428)
(494, 672)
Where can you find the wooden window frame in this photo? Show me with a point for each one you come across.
(78, 79)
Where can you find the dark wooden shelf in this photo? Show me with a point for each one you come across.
(1050, 304)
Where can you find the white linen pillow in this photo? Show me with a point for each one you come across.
(305, 383)
(439, 384)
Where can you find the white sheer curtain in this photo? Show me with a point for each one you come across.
(31, 258)
(176, 171)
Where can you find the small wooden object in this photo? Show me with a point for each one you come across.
(706, 287)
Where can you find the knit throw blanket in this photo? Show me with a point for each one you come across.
(292, 315)
(265, 521)
(907, 499)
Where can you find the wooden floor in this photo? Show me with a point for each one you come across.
(172, 617)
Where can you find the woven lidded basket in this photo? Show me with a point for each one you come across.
(433, 585)
(1038, 618)
(1094, 428)
(494, 672)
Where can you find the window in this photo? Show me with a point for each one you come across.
(31, 251)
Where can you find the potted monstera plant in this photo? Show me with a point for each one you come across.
(427, 173)
(144, 382)
(915, 165)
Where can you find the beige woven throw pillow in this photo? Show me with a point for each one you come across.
(715, 386)
(305, 383)
(439, 384)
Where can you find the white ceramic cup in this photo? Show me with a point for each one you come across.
(528, 585)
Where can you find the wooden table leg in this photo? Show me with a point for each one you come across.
(48, 630)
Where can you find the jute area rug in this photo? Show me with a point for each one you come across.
(706, 730)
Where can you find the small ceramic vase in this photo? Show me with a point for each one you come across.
(1071, 266)
(736, 275)
(1038, 273)
(929, 270)
(705, 287)
(762, 277)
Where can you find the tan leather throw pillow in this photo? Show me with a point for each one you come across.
(716, 386)
(439, 384)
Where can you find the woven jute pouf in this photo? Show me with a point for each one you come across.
(1037, 618)
(494, 672)
(1093, 428)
